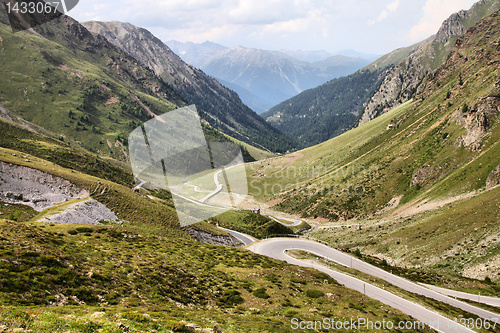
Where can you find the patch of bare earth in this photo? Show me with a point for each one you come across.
(34, 188)
(425, 205)
(85, 212)
(491, 268)
(41, 190)
(112, 100)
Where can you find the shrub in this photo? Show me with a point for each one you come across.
(261, 293)
(291, 313)
(314, 293)
(465, 108)
(181, 327)
(84, 229)
(136, 317)
(231, 298)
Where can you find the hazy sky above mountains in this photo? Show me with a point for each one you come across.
(370, 26)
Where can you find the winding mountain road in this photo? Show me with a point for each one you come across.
(217, 189)
(277, 247)
(218, 184)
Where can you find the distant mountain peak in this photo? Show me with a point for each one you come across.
(264, 78)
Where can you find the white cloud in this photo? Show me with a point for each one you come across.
(435, 12)
(389, 9)
(314, 21)
(392, 7)
(295, 24)
(223, 19)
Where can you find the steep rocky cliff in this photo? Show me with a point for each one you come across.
(405, 79)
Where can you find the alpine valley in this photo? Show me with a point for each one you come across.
(390, 214)
(322, 113)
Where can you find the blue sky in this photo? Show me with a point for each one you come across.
(370, 26)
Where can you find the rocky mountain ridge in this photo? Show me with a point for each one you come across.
(403, 81)
(220, 106)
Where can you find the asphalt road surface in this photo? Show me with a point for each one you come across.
(246, 239)
(493, 301)
(276, 248)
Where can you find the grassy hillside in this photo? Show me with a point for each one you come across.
(118, 280)
(434, 150)
(90, 98)
(147, 274)
(62, 153)
(83, 89)
(459, 237)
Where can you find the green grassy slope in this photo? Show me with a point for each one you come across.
(427, 133)
(151, 282)
(89, 97)
(309, 171)
(29, 142)
(83, 89)
(439, 146)
(111, 184)
(26, 140)
(149, 274)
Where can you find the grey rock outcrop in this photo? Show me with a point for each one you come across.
(208, 238)
(85, 212)
(476, 122)
(493, 178)
(451, 27)
(399, 84)
(34, 188)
